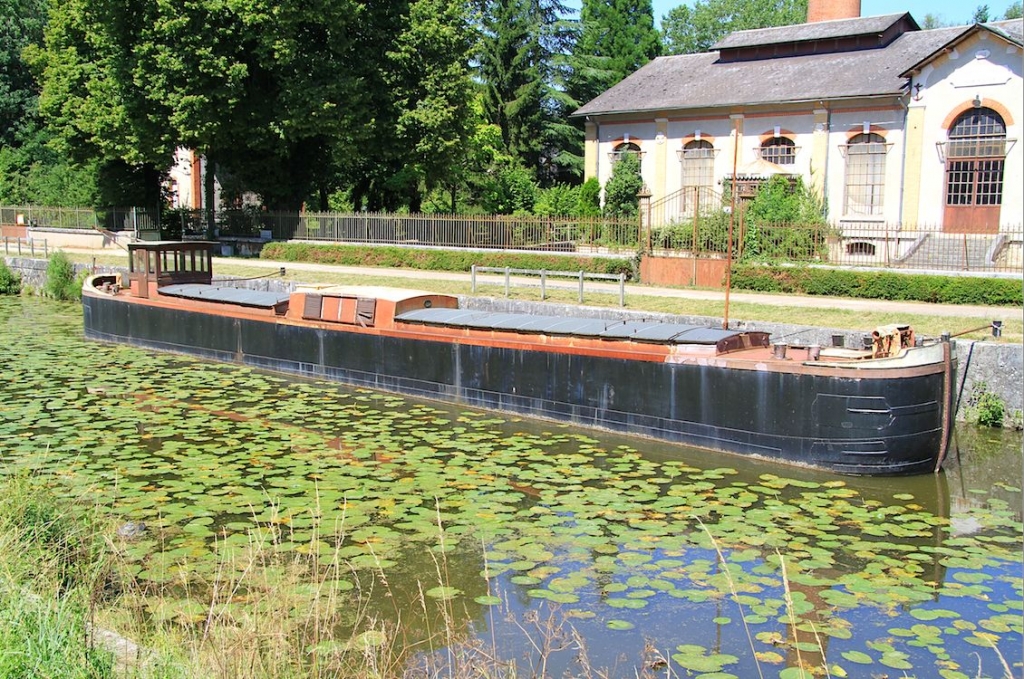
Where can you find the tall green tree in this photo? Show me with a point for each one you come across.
(21, 25)
(518, 53)
(417, 99)
(87, 99)
(613, 40)
(1014, 11)
(691, 29)
(431, 89)
(260, 86)
(616, 38)
(31, 171)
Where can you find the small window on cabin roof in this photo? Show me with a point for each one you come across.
(779, 150)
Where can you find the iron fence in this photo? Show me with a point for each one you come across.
(694, 222)
(109, 219)
(559, 234)
(921, 247)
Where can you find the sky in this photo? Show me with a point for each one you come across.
(947, 11)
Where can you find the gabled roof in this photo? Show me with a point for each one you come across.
(1012, 31)
(693, 81)
(819, 30)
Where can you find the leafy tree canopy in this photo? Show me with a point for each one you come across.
(21, 25)
(691, 29)
(275, 92)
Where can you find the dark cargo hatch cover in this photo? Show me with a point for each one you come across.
(643, 331)
(225, 294)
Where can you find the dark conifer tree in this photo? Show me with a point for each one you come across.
(517, 59)
(616, 38)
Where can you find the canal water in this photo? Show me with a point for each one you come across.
(559, 549)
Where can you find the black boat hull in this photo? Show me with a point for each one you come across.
(846, 422)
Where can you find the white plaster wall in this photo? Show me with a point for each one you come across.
(988, 67)
(181, 177)
(716, 128)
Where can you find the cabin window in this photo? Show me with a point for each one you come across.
(779, 150)
(865, 174)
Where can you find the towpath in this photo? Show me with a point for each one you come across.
(798, 301)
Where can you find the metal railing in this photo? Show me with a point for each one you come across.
(551, 234)
(505, 232)
(876, 245)
(22, 245)
(692, 222)
(110, 219)
(543, 274)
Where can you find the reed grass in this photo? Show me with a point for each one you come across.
(68, 599)
(48, 570)
(64, 579)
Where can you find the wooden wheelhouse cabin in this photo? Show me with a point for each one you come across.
(155, 264)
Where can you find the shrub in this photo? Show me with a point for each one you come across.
(984, 407)
(877, 285)
(589, 196)
(558, 201)
(620, 194)
(438, 260)
(61, 281)
(511, 191)
(784, 221)
(10, 282)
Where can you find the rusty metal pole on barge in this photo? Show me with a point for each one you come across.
(732, 218)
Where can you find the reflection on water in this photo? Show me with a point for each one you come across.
(526, 535)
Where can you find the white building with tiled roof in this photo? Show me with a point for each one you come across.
(892, 125)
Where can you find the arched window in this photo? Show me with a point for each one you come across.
(865, 174)
(624, 148)
(779, 150)
(698, 163)
(974, 159)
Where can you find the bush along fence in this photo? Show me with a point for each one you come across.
(442, 260)
(807, 280)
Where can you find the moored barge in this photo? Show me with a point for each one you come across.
(883, 410)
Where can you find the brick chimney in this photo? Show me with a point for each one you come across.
(829, 10)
